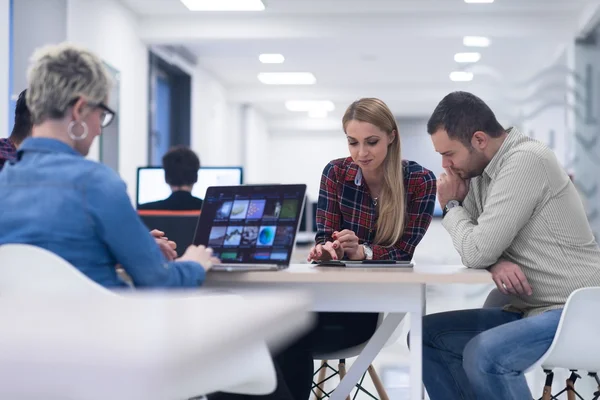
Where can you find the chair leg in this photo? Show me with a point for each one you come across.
(571, 392)
(570, 389)
(547, 393)
(342, 372)
(319, 392)
(597, 392)
(318, 386)
(377, 383)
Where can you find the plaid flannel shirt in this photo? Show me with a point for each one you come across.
(8, 151)
(345, 203)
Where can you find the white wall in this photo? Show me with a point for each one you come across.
(229, 134)
(109, 29)
(216, 123)
(299, 157)
(49, 19)
(258, 150)
(4, 67)
(543, 112)
(541, 126)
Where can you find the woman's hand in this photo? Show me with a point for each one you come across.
(202, 255)
(349, 243)
(326, 252)
(167, 247)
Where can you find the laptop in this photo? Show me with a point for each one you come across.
(251, 227)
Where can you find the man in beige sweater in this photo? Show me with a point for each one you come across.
(509, 207)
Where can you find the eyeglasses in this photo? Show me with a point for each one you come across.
(107, 115)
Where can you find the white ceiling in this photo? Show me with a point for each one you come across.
(399, 50)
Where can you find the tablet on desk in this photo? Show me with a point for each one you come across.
(366, 264)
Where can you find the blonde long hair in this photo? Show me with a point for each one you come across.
(390, 222)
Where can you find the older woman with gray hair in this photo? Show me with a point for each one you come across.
(56, 199)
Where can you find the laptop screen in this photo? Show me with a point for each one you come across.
(151, 185)
(251, 224)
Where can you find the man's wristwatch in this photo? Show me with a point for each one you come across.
(450, 205)
(368, 252)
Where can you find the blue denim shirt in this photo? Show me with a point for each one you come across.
(79, 209)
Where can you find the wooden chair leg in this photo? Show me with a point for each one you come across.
(319, 389)
(594, 375)
(571, 393)
(570, 390)
(377, 383)
(342, 372)
(547, 393)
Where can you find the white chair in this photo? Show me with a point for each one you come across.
(342, 355)
(31, 272)
(29, 269)
(576, 345)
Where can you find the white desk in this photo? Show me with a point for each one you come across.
(151, 346)
(391, 290)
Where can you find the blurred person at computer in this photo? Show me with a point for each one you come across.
(510, 208)
(372, 205)
(79, 209)
(21, 130)
(181, 167)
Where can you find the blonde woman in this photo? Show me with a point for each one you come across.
(372, 205)
(79, 209)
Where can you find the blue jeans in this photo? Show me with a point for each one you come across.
(483, 353)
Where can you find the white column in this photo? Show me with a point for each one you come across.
(4, 67)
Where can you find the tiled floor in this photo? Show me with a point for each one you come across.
(392, 362)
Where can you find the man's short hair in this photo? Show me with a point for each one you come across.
(461, 114)
(181, 166)
(22, 128)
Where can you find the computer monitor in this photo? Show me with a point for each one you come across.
(151, 185)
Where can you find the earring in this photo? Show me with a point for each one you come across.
(72, 135)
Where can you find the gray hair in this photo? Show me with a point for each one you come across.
(60, 74)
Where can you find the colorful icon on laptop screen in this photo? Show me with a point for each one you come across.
(266, 236)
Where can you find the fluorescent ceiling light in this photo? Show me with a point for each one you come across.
(287, 78)
(479, 1)
(467, 57)
(224, 5)
(476, 41)
(310, 105)
(461, 76)
(317, 114)
(271, 58)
